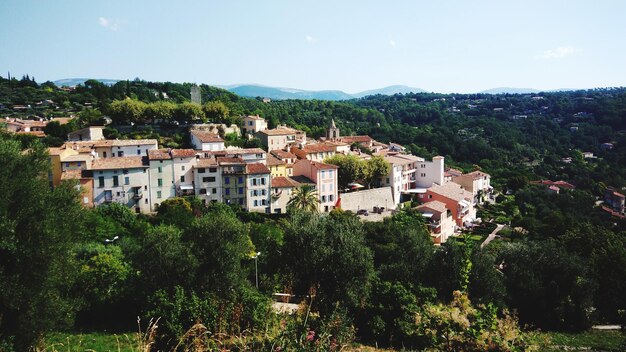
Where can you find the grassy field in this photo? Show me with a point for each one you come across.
(593, 340)
(100, 342)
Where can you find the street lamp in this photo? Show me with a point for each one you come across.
(256, 268)
(106, 240)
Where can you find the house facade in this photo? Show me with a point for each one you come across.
(439, 220)
(324, 176)
(121, 180)
(206, 141)
(254, 124)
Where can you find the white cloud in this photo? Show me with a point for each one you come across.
(309, 39)
(557, 53)
(393, 43)
(109, 24)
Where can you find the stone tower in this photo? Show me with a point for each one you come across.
(332, 133)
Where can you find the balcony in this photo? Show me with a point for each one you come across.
(232, 170)
(138, 195)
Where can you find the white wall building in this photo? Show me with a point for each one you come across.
(206, 141)
(122, 180)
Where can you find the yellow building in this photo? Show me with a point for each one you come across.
(56, 167)
(278, 168)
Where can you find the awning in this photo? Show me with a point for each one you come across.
(186, 187)
(415, 191)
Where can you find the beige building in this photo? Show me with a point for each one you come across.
(459, 201)
(280, 138)
(208, 180)
(281, 191)
(91, 133)
(184, 161)
(314, 152)
(206, 141)
(324, 176)
(439, 219)
(161, 177)
(254, 124)
(476, 182)
(258, 188)
(121, 180)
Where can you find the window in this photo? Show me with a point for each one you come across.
(227, 180)
(104, 154)
(182, 178)
(208, 179)
(330, 173)
(202, 191)
(240, 201)
(330, 198)
(255, 193)
(423, 175)
(423, 166)
(201, 170)
(214, 190)
(125, 171)
(240, 190)
(101, 181)
(120, 153)
(323, 199)
(160, 169)
(146, 201)
(323, 174)
(67, 164)
(115, 181)
(263, 180)
(254, 181)
(160, 182)
(323, 188)
(182, 167)
(138, 151)
(78, 164)
(126, 180)
(240, 180)
(212, 169)
(332, 186)
(263, 202)
(262, 192)
(387, 179)
(158, 194)
(256, 203)
(145, 187)
(227, 191)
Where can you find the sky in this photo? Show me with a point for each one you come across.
(441, 46)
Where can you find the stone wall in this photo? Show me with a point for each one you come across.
(367, 199)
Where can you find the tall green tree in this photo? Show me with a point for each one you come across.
(350, 169)
(38, 230)
(304, 198)
(374, 169)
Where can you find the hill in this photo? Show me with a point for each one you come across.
(70, 82)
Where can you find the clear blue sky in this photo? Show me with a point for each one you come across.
(443, 46)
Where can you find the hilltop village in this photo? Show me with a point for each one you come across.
(140, 175)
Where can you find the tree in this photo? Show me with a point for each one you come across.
(221, 243)
(161, 110)
(39, 228)
(350, 168)
(189, 112)
(327, 256)
(215, 111)
(127, 111)
(374, 169)
(304, 198)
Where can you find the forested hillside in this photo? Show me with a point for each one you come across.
(561, 265)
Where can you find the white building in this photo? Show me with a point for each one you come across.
(254, 124)
(122, 180)
(258, 187)
(132, 147)
(206, 141)
(208, 180)
(281, 191)
(184, 161)
(91, 133)
(161, 178)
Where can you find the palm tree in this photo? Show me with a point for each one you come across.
(304, 198)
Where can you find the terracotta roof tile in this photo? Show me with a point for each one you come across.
(128, 162)
(284, 182)
(274, 161)
(230, 161)
(183, 153)
(451, 190)
(257, 168)
(206, 162)
(433, 205)
(206, 137)
(159, 154)
(281, 154)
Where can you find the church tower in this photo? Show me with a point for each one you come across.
(332, 133)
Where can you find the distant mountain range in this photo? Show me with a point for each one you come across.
(256, 90)
(70, 82)
(277, 93)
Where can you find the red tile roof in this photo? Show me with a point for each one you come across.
(206, 162)
(257, 168)
(183, 153)
(281, 154)
(434, 205)
(274, 161)
(127, 162)
(279, 132)
(356, 139)
(284, 182)
(159, 154)
(230, 161)
(206, 137)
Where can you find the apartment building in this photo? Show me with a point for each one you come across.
(258, 187)
(121, 180)
(324, 176)
(439, 219)
(208, 180)
(476, 182)
(206, 141)
(314, 152)
(281, 192)
(161, 177)
(254, 124)
(459, 201)
(279, 138)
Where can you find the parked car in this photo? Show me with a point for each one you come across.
(363, 212)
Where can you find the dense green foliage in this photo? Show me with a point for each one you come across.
(560, 266)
